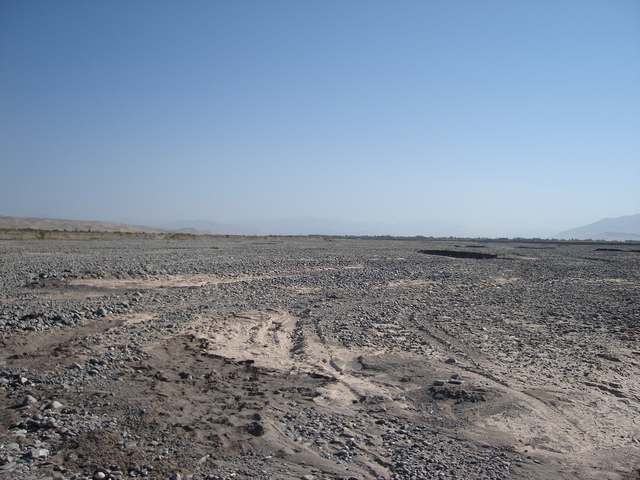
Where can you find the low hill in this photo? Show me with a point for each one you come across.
(19, 223)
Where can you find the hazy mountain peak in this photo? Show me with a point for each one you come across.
(620, 228)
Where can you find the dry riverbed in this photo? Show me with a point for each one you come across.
(308, 358)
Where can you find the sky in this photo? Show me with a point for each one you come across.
(502, 116)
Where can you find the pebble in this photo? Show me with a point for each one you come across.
(38, 453)
(28, 400)
(55, 405)
(8, 466)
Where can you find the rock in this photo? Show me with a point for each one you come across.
(28, 400)
(101, 473)
(336, 366)
(55, 405)
(255, 429)
(38, 453)
(176, 476)
(439, 383)
(7, 467)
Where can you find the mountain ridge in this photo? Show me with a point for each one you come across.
(321, 226)
(622, 228)
(609, 229)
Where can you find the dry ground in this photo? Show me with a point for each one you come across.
(308, 358)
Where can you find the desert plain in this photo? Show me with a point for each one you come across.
(211, 357)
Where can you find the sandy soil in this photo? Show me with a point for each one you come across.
(307, 358)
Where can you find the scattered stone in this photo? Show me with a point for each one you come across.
(368, 296)
(28, 400)
(38, 453)
(255, 429)
(9, 466)
(55, 405)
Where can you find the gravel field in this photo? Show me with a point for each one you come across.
(307, 358)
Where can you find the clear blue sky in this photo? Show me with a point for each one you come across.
(505, 115)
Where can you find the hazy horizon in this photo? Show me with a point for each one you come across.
(500, 116)
(624, 228)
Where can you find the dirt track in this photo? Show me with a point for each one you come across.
(289, 358)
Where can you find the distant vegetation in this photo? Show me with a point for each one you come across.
(483, 239)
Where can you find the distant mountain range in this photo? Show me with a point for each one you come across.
(620, 229)
(290, 226)
(320, 226)
(612, 229)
